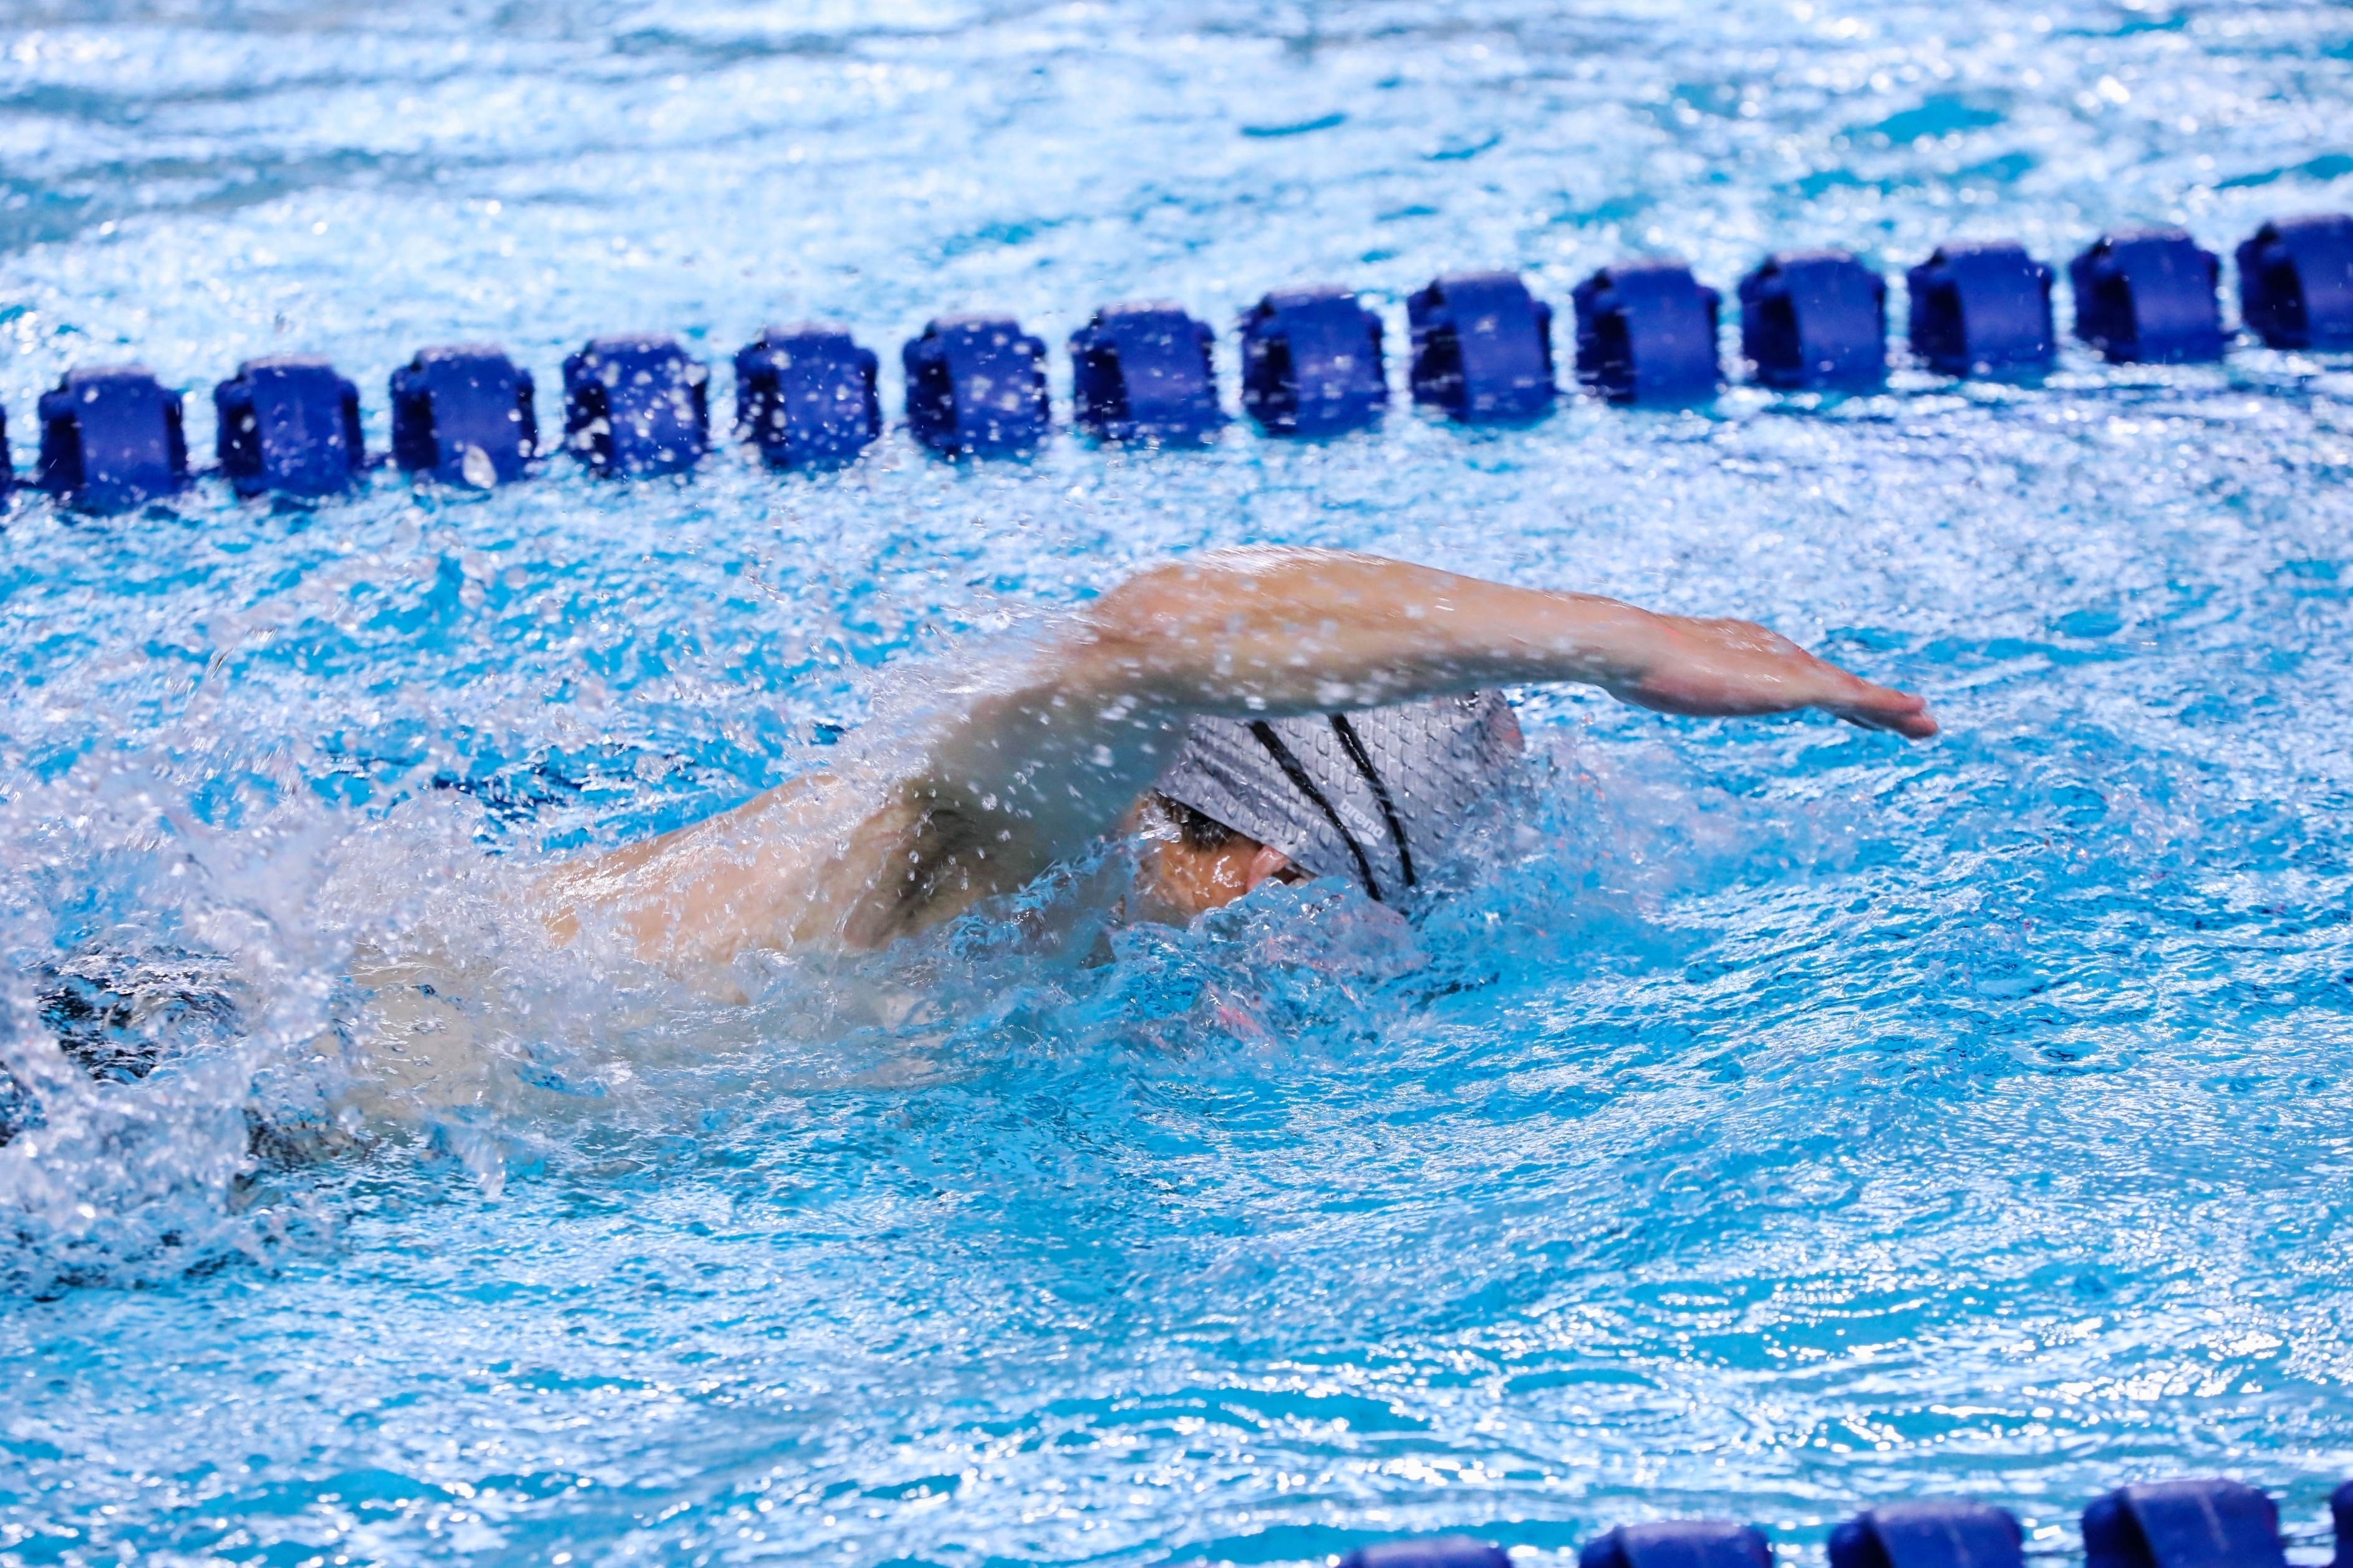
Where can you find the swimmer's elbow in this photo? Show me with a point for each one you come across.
(1142, 627)
(1149, 605)
(1172, 606)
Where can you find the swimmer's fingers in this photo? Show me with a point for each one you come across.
(1863, 703)
(1871, 706)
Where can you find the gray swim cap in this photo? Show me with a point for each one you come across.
(1372, 795)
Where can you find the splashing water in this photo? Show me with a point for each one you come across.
(1770, 1118)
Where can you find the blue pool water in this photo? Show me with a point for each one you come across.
(1780, 1119)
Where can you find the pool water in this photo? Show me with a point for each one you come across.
(1775, 1119)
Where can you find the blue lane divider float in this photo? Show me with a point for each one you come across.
(1312, 362)
(2147, 296)
(2188, 1523)
(289, 424)
(1939, 1532)
(1312, 365)
(1145, 372)
(1482, 347)
(977, 386)
(111, 439)
(2295, 283)
(1428, 1551)
(1646, 333)
(805, 396)
(1982, 308)
(1679, 1544)
(464, 414)
(636, 406)
(1815, 320)
(2199, 1523)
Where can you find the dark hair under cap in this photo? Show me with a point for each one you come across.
(1372, 795)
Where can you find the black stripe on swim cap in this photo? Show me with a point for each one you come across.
(1354, 746)
(1297, 774)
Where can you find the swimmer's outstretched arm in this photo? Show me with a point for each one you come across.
(1290, 631)
(1037, 767)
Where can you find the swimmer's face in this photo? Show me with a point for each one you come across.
(1177, 877)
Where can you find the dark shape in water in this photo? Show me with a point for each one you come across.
(117, 1016)
(122, 1015)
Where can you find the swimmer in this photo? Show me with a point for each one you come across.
(1257, 714)
(1254, 715)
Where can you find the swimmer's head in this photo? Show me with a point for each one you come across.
(1191, 863)
(1373, 797)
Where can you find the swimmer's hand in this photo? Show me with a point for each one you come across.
(1721, 669)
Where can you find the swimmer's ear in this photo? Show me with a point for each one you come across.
(1267, 862)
